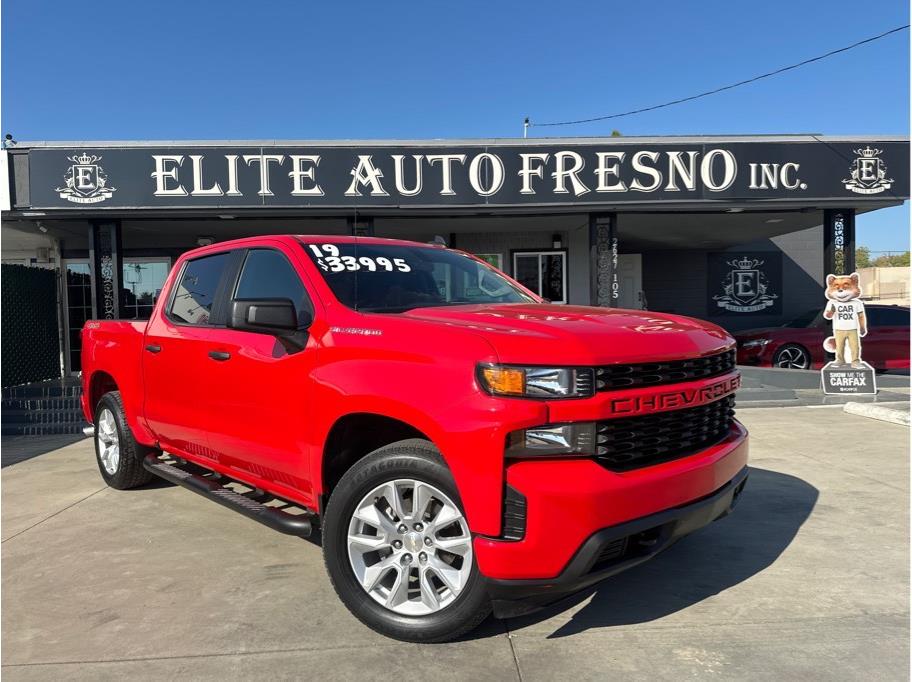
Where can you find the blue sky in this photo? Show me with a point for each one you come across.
(242, 70)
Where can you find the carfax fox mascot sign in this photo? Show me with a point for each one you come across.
(847, 373)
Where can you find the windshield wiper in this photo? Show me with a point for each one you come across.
(405, 308)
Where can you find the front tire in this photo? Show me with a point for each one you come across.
(792, 356)
(398, 549)
(118, 454)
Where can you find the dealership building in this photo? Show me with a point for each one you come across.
(737, 230)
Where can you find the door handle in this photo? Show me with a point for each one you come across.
(153, 348)
(219, 355)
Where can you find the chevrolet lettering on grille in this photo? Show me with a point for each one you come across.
(673, 400)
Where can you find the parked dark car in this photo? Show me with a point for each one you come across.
(798, 344)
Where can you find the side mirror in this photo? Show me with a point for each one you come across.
(276, 316)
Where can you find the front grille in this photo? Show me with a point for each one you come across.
(636, 442)
(614, 377)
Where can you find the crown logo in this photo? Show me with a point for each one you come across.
(745, 263)
(868, 152)
(84, 159)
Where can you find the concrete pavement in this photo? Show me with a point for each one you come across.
(809, 578)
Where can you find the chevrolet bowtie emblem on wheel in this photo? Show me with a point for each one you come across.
(868, 173)
(86, 182)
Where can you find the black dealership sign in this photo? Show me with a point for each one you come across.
(426, 174)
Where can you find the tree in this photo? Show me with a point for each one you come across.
(862, 257)
(893, 260)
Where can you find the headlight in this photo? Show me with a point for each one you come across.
(548, 441)
(755, 343)
(537, 382)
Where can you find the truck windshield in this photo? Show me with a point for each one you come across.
(388, 278)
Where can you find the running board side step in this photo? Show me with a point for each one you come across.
(289, 524)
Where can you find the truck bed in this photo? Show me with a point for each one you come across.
(114, 344)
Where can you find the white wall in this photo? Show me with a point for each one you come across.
(25, 248)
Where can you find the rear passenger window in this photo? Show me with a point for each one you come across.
(268, 274)
(887, 317)
(196, 290)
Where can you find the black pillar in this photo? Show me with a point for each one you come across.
(603, 255)
(106, 261)
(361, 226)
(839, 241)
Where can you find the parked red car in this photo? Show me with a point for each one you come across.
(461, 443)
(798, 344)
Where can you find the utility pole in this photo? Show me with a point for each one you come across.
(526, 125)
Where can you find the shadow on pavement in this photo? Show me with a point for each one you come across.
(728, 552)
(21, 448)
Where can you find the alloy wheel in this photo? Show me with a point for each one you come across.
(108, 441)
(410, 548)
(792, 358)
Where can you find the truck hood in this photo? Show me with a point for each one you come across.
(580, 335)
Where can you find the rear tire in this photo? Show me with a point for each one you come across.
(418, 591)
(118, 454)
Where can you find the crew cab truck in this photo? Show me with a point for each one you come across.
(461, 443)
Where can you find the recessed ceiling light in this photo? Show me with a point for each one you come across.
(773, 220)
(735, 210)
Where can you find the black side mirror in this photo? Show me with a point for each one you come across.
(276, 316)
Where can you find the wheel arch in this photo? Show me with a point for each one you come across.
(100, 383)
(353, 436)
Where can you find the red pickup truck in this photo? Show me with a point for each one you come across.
(460, 443)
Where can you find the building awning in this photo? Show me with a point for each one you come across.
(459, 177)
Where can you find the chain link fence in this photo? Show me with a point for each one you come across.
(30, 341)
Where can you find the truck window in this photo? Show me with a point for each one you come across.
(268, 274)
(195, 294)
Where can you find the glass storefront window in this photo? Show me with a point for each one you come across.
(494, 259)
(544, 272)
(142, 283)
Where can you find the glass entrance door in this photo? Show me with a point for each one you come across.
(78, 308)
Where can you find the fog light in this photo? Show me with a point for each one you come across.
(553, 440)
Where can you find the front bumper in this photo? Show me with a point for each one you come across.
(755, 355)
(617, 548)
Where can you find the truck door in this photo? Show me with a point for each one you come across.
(174, 356)
(259, 400)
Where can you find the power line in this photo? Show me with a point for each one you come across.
(725, 87)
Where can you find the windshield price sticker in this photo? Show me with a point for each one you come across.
(328, 257)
